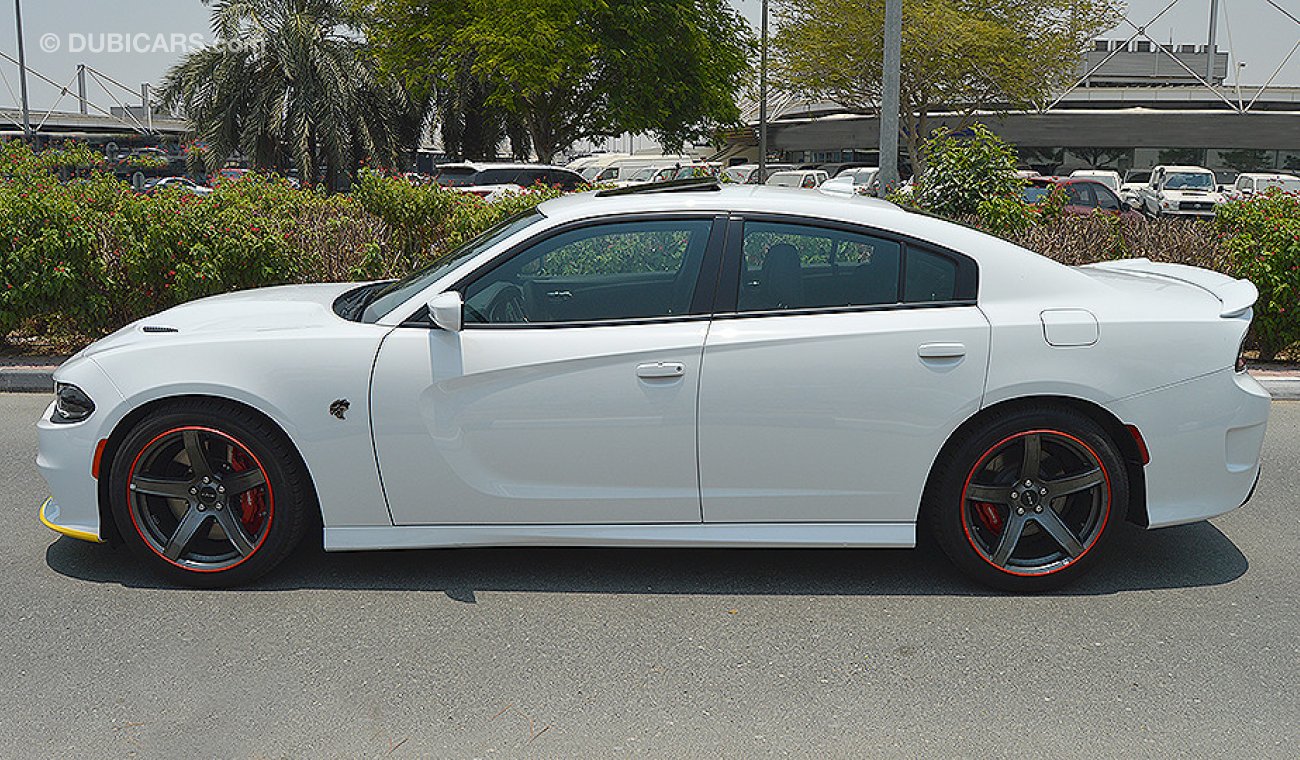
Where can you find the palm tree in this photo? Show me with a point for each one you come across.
(291, 84)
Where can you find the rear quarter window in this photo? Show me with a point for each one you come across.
(931, 277)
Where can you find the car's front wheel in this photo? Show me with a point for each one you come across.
(1026, 503)
(209, 494)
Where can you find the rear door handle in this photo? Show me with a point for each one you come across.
(660, 370)
(941, 351)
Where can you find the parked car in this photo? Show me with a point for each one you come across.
(1187, 191)
(836, 169)
(1082, 196)
(1134, 180)
(489, 180)
(1252, 183)
(1110, 179)
(649, 174)
(747, 174)
(861, 181)
(154, 185)
(556, 381)
(805, 178)
(697, 170)
(228, 174)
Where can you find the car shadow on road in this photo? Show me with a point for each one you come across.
(1183, 557)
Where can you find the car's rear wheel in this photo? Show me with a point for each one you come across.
(1026, 503)
(209, 494)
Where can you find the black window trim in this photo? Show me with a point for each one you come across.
(702, 301)
(726, 304)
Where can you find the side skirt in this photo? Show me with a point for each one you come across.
(737, 535)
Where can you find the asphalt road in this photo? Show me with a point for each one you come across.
(1185, 644)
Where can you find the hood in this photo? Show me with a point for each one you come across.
(278, 309)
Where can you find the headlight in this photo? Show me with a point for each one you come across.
(71, 404)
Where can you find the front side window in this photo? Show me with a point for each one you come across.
(794, 266)
(603, 272)
(1106, 199)
(397, 293)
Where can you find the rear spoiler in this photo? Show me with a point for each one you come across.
(1235, 296)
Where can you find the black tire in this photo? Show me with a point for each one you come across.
(1055, 509)
(228, 521)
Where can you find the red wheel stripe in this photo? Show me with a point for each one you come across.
(980, 463)
(270, 513)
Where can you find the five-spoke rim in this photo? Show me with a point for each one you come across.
(200, 499)
(1036, 502)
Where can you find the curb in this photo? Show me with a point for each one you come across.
(1283, 387)
(27, 379)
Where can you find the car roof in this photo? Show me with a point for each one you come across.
(478, 167)
(1186, 169)
(1267, 175)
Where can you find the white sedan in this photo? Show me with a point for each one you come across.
(673, 365)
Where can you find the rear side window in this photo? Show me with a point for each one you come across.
(795, 266)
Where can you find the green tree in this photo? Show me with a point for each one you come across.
(574, 69)
(290, 84)
(963, 56)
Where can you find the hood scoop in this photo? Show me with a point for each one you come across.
(158, 329)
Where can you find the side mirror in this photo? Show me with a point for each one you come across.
(447, 310)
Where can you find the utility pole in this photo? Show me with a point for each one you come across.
(762, 102)
(22, 72)
(889, 97)
(1209, 48)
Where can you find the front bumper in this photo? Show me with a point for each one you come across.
(66, 454)
(52, 517)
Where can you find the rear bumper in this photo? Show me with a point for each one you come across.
(1205, 437)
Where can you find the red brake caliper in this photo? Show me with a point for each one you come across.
(250, 501)
(989, 516)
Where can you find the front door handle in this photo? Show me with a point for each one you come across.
(941, 351)
(660, 370)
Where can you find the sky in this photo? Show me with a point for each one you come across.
(136, 41)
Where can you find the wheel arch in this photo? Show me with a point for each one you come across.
(1112, 425)
(108, 526)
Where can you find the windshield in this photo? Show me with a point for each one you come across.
(643, 175)
(864, 177)
(456, 176)
(590, 172)
(1285, 185)
(399, 292)
(1189, 181)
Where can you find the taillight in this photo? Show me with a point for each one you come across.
(1240, 365)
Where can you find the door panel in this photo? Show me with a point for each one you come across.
(833, 417)
(558, 425)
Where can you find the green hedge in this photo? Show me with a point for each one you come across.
(79, 259)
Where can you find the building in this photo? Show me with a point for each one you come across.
(1137, 110)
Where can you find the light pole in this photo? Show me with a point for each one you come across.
(889, 97)
(1209, 49)
(762, 101)
(22, 72)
